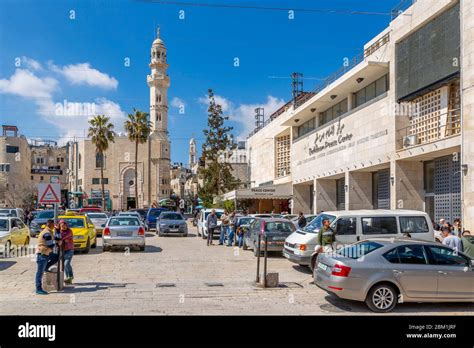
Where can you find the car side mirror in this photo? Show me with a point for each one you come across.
(14, 228)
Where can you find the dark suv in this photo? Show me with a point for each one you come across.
(152, 215)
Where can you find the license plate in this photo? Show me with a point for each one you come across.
(124, 234)
(285, 254)
(174, 229)
(279, 238)
(322, 266)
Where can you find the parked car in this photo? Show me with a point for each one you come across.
(13, 234)
(384, 272)
(202, 222)
(152, 215)
(12, 212)
(277, 231)
(97, 219)
(267, 216)
(289, 216)
(142, 213)
(356, 225)
(123, 231)
(170, 222)
(90, 209)
(83, 230)
(36, 225)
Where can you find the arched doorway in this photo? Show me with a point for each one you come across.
(130, 201)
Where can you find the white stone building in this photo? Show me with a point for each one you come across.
(393, 128)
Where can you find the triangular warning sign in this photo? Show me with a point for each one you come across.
(49, 196)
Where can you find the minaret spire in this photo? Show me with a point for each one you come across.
(158, 32)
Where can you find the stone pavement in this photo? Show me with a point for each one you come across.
(177, 275)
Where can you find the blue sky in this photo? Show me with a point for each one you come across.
(47, 58)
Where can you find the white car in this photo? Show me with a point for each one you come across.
(202, 222)
(14, 212)
(353, 226)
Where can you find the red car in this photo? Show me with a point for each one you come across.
(90, 209)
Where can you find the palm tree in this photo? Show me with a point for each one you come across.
(138, 129)
(102, 132)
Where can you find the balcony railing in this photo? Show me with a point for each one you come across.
(430, 130)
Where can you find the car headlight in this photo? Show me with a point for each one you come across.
(78, 237)
(162, 225)
(301, 247)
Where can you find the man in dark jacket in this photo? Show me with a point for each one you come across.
(468, 244)
(301, 220)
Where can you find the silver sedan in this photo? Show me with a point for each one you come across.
(171, 223)
(123, 231)
(384, 272)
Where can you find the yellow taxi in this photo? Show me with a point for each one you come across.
(85, 236)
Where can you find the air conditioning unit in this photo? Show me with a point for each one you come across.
(410, 140)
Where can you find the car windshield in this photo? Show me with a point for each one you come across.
(75, 222)
(358, 250)
(171, 216)
(246, 221)
(45, 215)
(155, 213)
(124, 221)
(279, 226)
(3, 225)
(317, 222)
(97, 216)
(5, 211)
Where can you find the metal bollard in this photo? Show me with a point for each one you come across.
(258, 260)
(265, 263)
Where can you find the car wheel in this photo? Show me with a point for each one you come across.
(185, 235)
(142, 248)
(106, 248)
(93, 246)
(88, 247)
(382, 298)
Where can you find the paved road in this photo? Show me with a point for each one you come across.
(181, 276)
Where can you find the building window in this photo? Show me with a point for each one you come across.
(282, 154)
(41, 178)
(99, 160)
(370, 92)
(95, 181)
(4, 167)
(333, 112)
(12, 149)
(32, 177)
(306, 127)
(106, 181)
(79, 162)
(39, 160)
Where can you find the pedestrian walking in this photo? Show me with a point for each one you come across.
(468, 244)
(232, 227)
(225, 223)
(67, 240)
(301, 220)
(43, 250)
(450, 240)
(211, 222)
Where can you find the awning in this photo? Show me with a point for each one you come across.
(284, 191)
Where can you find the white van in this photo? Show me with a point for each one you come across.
(202, 222)
(355, 225)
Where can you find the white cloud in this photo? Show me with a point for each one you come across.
(177, 102)
(225, 103)
(74, 120)
(84, 74)
(25, 84)
(31, 63)
(245, 114)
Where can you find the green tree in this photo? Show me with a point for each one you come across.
(219, 143)
(138, 128)
(102, 133)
